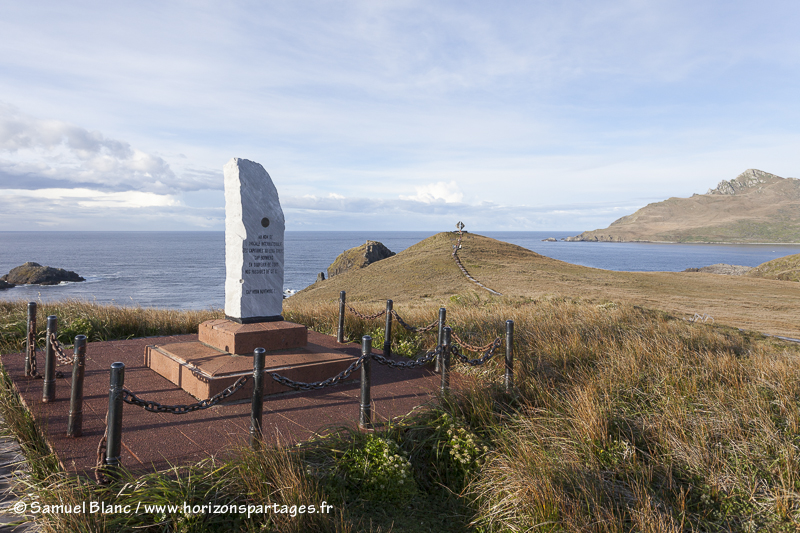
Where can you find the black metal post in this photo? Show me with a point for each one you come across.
(257, 405)
(49, 382)
(365, 413)
(340, 331)
(114, 439)
(30, 346)
(75, 422)
(387, 338)
(442, 320)
(509, 379)
(446, 360)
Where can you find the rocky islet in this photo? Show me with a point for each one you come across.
(32, 273)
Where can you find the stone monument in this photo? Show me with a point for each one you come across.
(254, 228)
(254, 231)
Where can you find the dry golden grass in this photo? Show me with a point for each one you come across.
(98, 322)
(625, 419)
(426, 274)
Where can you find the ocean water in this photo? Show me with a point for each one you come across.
(186, 270)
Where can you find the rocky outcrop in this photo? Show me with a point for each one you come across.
(592, 236)
(5, 285)
(754, 207)
(36, 274)
(359, 257)
(320, 277)
(722, 268)
(748, 179)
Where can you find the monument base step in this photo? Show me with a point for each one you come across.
(203, 371)
(234, 337)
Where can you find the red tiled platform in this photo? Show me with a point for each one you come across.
(155, 441)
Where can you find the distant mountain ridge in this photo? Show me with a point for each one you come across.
(756, 206)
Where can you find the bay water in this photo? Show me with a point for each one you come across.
(186, 270)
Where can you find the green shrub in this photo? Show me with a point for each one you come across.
(379, 471)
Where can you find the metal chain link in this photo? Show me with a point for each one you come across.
(60, 355)
(366, 317)
(476, 362)
(101, 457)
(300, 385)
(422, 361)
(470, 347)
(412, 328)
(32, 349)
(155, 407)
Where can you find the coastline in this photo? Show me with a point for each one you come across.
(736, 243)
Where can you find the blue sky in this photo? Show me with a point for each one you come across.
(388, 115)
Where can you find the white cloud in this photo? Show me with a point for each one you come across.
(35, 149)
(89, 198)
(434, 192)
(445, 103)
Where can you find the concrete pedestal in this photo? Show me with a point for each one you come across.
(224, 352)
(233, 337)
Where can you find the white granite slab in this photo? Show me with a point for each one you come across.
(254, 231)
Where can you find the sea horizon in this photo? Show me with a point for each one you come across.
(186, 269)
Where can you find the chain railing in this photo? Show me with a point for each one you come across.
(30, 349)
(479, 361)
(416, 363)
(62, 358)
(99, 474)
(473, 348)
(389, 312)
(300, 385)
(109, 447)
(413, 328)
(487, 349)
(365, 317)
(155, 407)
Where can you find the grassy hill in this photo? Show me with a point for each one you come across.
(425, 274)
(783, 268)
(754, 207)
(622, 419)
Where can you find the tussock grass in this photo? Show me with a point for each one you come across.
(623, 419)
(99, 322)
